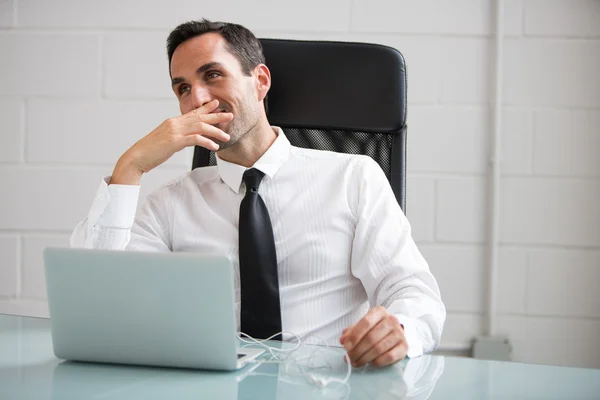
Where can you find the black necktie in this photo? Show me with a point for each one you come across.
(261, 314)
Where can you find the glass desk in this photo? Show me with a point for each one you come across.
(29, 370)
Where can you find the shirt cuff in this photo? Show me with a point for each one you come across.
(411, 335)
(115, 205)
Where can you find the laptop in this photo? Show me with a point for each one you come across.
(144, 308)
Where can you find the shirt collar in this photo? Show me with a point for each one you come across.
(269, 163)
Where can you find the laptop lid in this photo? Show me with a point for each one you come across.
(164, 309)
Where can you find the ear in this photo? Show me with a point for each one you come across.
(263, 81)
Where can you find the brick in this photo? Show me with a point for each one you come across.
(554, 341)
(517, 142)
(564, 283)
(9, 247)
(11, 130)
(513, 18)
(49, 64)
(34, 275)
(567, 143)
(425, 16)
(552, 73)
(511, 280)
(331, 16)
(466, 70)
(93, 132)
(143, 73)
(7, 13)
(57, 198)
(550, 211)
(459, 271)
(562, 18)
(420, 208)
(448, 139)
(461, 214)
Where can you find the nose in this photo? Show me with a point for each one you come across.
(200, 96)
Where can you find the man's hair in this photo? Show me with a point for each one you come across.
(239, 41)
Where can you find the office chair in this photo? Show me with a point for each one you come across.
(344, 97)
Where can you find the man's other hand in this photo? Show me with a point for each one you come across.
(378, 338)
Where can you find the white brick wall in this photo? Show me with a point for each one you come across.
(49, 64)
(33, 278)
(461, 215)
(6, 13)
(460, 146)
(81, 80)
(9, 271)
(100, 130)
(567, 143)
(11, 140)
(552, 72)
(573, 18)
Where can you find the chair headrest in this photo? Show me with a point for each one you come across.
(336, 85)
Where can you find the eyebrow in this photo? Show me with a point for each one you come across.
(199, 71)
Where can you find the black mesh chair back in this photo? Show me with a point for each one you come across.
(343, 97)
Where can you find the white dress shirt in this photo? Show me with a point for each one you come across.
(343, 243)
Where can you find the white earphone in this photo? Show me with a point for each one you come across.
(324, 382)
(277, 353)
(320, 382)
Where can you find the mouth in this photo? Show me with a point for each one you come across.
(222, 108)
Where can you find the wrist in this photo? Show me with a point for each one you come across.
(125, 173)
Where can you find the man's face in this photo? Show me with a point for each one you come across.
(203, 70)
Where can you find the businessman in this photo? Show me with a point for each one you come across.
(317, 240)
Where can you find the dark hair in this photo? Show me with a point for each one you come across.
(240, 41)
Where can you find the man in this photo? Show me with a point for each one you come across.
(344, 265)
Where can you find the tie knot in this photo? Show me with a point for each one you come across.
(252, 178)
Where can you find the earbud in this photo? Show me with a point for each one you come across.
(320, 382)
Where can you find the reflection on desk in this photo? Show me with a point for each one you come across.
(29, 370)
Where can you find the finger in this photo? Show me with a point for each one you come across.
(358, 331)
(383, 328)
(393, 339)
(199, 140)
(207, 107)
(207, 130)
(198, 113)
(214, 118)
(393, 355)
(193, 116)
(191, 123)
(343, 336)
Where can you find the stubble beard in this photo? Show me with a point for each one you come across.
(237, 130)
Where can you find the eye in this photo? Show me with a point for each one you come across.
(182, 89)
(212, 75)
